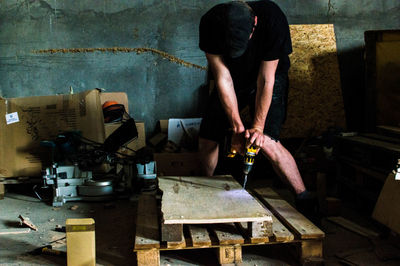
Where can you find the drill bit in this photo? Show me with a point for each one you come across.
(245, 181)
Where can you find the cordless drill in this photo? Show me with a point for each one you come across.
(248, 161)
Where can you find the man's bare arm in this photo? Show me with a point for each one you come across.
(226, 91)
(265, 87)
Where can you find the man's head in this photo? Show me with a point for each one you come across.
(234, 21)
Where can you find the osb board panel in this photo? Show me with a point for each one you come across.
(388, 83)
(204, 200)
(315, 97)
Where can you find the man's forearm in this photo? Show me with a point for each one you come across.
(226, 91)
(263, 102)
(229, 103)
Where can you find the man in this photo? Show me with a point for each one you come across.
(247, 47)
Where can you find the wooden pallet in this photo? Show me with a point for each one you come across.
(16, 180)
(288, 227)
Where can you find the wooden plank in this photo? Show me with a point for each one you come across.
(230, 255)
(300, 225)
(279, 231)
(386, 210)
(390, 129)
(178, 244)
(249, 231)
(147, 227)
(14, 231)
(353, 227)
(310, 249)
(171, 232)
(2, 191)
(201, 200)
(395, 148)
(227, 234)
(199, 236)
(148, 257)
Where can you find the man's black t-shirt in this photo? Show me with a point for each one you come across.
(270, 41)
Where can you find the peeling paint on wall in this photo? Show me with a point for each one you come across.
(139, 50)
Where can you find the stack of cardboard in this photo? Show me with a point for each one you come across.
(24, 122)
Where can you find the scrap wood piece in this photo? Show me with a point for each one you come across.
(14, 231)
(353, 226)
(27, 223)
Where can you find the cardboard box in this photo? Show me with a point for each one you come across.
(81, 244)
(119, 97)
(24, 122)
(163, 126)
(184, 132)
(178, 164)
(136, 144)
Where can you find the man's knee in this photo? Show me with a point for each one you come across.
(207, 146)
(271, 149)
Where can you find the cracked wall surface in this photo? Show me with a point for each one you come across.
(157, 88)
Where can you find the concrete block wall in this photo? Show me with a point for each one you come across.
(157, 88)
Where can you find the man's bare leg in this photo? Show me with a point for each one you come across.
(283, 163)
(208, 151)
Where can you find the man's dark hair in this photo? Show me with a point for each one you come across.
(231, 24)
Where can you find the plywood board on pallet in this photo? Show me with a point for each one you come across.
(315, 96)
(204, 200)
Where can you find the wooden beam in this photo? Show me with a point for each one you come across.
(147, 227)
(230, 255)
(171, 232)
(148, 257)
(199, 236)
(179, 243)
(227, 234)
(289, 216)
(310, 249)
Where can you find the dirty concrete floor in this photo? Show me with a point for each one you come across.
(115, 237)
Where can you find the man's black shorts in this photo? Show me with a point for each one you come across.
(215, 124)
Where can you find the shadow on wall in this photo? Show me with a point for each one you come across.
(352, 75)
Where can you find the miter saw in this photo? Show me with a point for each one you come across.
(73, 157)
(69, 183)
